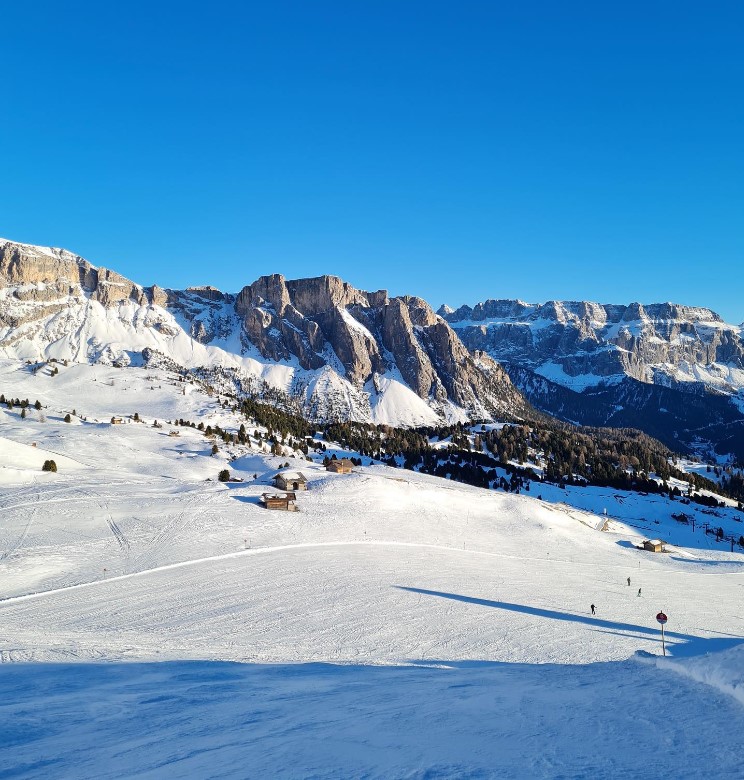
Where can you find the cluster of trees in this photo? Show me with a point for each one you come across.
(382, 442)
(733, 485)
(610, 457)
(623, 459)
(22, 403)
(276, 420)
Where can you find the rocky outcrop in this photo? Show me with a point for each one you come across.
(353, 345)
(322, 320)
(676, 372)
(585, 339)
(22, 264)
(49, 273)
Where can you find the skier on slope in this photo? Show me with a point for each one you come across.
(628, 581)
(592, 609)
(639, 591)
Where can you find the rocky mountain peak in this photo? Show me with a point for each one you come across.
(322, 293)
(322, 319)
(564, 354)
(50, 273)
(342, 351)
(207, 292)
(22, 264)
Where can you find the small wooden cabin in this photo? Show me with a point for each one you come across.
(340, 466)
(283, 501)
(117, 421)
(290, 480)
(654, 545)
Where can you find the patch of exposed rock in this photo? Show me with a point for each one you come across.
(585, 338)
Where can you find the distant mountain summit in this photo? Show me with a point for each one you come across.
(329, 350)
(674, 371)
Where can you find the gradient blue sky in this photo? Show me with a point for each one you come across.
(454, 150)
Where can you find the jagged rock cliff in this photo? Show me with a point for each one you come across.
(675, 371)
(658, 342)
(324, 320)
(343, 353)
(334, 352)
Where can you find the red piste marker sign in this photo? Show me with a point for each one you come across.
(662, 618)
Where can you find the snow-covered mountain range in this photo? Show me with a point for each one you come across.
(675, 371)
(329, 350)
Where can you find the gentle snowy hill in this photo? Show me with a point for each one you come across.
(477, 603)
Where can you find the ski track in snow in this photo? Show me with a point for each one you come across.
(286, 547)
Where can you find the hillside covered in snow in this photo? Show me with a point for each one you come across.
(158, 621)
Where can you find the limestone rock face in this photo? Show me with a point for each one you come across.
(58, 272)
(676, 372)
(22, 264)
(354, 345)
(588, 340)
(323, 320)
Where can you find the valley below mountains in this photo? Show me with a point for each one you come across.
(323, 349)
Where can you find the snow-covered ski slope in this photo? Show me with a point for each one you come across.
(134, 552)
(484, 720)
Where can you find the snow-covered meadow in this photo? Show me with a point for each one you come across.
(398, 625)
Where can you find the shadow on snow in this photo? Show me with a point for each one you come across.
(692, 644)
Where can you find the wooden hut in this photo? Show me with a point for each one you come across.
(340, 466)
(281, 501)
(654, 545)
(290, 480)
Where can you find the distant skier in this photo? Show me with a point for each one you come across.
(628, 581)
(639, 591)
(592, 609)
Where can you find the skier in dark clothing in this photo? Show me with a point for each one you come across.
(592, 609)
(628, 581)
(639, 591)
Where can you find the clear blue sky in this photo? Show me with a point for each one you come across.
(454, 150)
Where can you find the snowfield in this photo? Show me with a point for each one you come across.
(398, 625)
(481, 720)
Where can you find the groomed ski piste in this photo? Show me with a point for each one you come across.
(156, 622)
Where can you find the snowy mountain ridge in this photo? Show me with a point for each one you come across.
(563, 340)
(331, 351)
(674, 371)
(325, 350)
